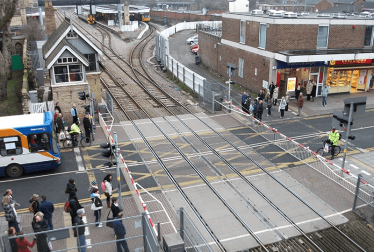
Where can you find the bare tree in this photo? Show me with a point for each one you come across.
(33, 31)
(7, 9)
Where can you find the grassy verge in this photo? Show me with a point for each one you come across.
(12, 106)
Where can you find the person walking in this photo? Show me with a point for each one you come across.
(74, 114)
(47, 208)
(244, 97)
(34, 203)
(275, 95)
(314, 90)
(59, 124)
(114, 207)
(309, 89)
(287, 98)
(324, 93)
(78, 222)
(298, 91)
(97, 205)
(334, 138)
(13, 243)
(255, 108)
(108, 188)
(23, 244)
(87, 125)
(70, 187)
(269, 103)
(57, 107)
(260, 110)
(300, 104)
(282, 106)
(10, 213)
(93, 186)
(247, 104)
(74, 205)
(120, 232)
(39, 225)
(261, 95)
(271, 89)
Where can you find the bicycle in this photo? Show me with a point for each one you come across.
(321, 151)
(68, 142)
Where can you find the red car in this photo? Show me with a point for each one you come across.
(194, 46)
(195, 50)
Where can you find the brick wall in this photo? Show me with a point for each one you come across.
(345, 36)
(208, 54)
(176, 17)
(323, 5)
(49, 18)
(251, 61)
(231, 29)
(95, 85)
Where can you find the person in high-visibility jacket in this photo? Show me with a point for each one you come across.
(334, 138)
(74, 131)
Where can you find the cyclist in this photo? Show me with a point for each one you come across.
(74, 131)
(334, 138)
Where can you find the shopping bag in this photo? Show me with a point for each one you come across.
(279, 109)
(109, 224)
(327, 148)
(62, 135)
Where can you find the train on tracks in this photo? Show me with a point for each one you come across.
(110, 12)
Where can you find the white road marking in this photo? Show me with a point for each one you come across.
(365, 172)
(362, 150)
(354, 166)
(294, 113)
(88, 242)
(86, 229)
(79, 159)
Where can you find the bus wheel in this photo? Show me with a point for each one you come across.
(14, 170)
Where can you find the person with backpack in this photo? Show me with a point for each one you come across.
(73, 205)
(34, 204)
(107, 188)
(70, 187)
(47, 208)
(97, 205)
(93, 186)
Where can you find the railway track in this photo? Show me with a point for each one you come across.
(334, 239)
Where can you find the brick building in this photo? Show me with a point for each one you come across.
(302, 6)
(72, 61)
(288, 51)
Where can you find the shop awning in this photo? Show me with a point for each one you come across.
(295, 56)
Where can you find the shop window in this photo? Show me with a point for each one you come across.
(339, 79)
(323, 35)
(262, 37)
(242, 31)
(241, 67)
(92, 60)
(39, 142)
(368, 40)
(10, 146)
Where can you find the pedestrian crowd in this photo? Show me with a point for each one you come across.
(268, 98)
(73, 130)
(43, 213)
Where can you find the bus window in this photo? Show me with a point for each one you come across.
(39, 142)
(10, 146)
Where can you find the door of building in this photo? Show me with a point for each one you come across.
(315, 77)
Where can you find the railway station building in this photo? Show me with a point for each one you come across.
(72, 61)
(331, 49)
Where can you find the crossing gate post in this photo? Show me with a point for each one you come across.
(356, 193)
(181, 224)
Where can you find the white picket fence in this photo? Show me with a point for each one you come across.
(41, 107)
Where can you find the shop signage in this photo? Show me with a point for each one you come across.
(350, 62)
(291, 84)
(281, 64)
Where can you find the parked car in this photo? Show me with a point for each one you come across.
(194, 45)
(195, 51)
(193, 39)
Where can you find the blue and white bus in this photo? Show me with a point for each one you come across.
(28, 143)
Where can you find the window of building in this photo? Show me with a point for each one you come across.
(92, 60)
(301, 8)
(323, 36)
(72, 35)
(368, 40)
(262, 37)
(67, 60)
(241, 67)
(39, 142)
(69, 73)
(10, 146)
(242, 31)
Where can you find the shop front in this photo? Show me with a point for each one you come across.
(291, 74)
(349, 76)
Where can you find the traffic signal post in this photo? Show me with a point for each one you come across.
(344, 119)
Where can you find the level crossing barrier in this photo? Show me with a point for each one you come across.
(308, 158)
